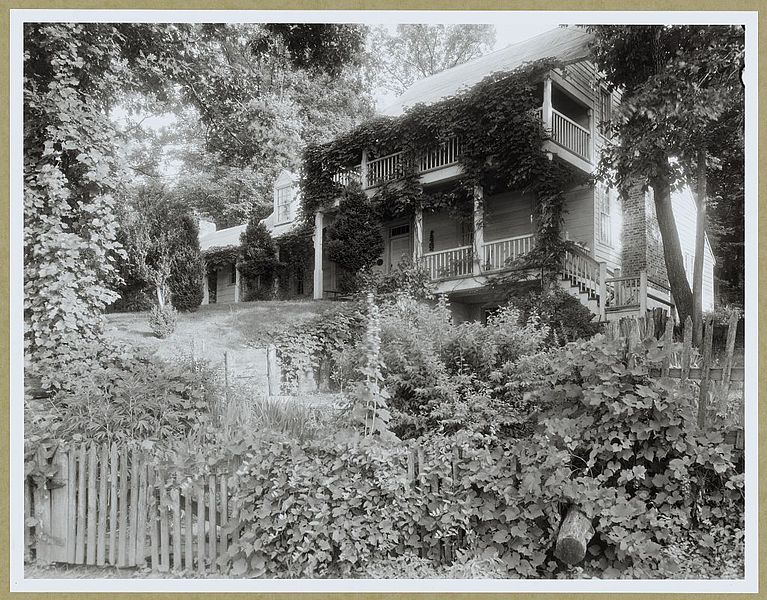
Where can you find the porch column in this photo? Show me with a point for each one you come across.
(364, 170)
(479, 229)
(237, 283)
(592, 134)
(205, 290)
(547, 103)
(418, 235)
(318, 291)
(602, 289)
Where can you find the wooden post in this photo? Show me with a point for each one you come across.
(133, 513)
(113, 505)
(642, 294)
(90, 546)
(364, 170)
(547, 103)
(668, 340)
(732, 330)
(201, 526)
(574, 535)
(142, 513)
(122, 516)
(592, 136)
(479, 231)
(705, 373)
(59, 509)
(71, 502)
(81, 506)
(602, 289)
(212, 520)
(154, 540)
(273, 371)
(101, 541)
(224, 502)
(418, 235)
(237, 283)
(205, 290)
(318, 275)
(42, 502)
(226, 375)
(175, 498)
(188, 539)
(686, 349)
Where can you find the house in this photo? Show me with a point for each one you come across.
(617, 267)
(223, 283)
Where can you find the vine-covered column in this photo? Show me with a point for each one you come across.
(479, 229)
(318, 291)
(418, 235)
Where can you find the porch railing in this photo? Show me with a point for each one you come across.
(497, 254)
(455, 262)
(568, 134)
(582, 271)
(386, 168)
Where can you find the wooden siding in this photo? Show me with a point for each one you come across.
(446, 231)
(508, 215)
(685, 212)
(579, 216)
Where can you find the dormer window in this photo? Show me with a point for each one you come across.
(284, 195)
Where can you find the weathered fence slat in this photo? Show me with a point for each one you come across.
(154, 542)
(90, 545)
(113, 474)
(176, 531)
(212, 519)
(235, 519)
(59, 509)
(224, 498)
(133, 512)
(164, 533)
(705, 382)
(188, 539)
(71, 502)
(101, 535)
(201, 526)
(122, 511)
(668, 340)
(42, 503)
(27, 516)
(141, 512)
(81, 506)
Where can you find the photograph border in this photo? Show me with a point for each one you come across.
(12, 372)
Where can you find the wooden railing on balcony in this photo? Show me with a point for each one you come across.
(582, 271)
(455, 262)
(446, 154)
(386, 168)
(497, 254)
(347, 177)
(568, 134)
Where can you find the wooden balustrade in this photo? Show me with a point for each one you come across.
(582, 271)
(568, 134)
(497, 254)
(455, 262)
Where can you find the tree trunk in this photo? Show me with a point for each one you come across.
(672, 249)
(574, 535)
(700, 239)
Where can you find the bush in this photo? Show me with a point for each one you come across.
(118, 393)
(257, 259)
(162, 320)
(407, 278)
(186, 278)
(567, 319)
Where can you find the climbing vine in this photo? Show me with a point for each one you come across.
(501, 139)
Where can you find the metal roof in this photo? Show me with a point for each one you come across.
(566, 44)
(222, 238)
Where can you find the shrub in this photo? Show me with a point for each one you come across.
(162, 320)
(257, 259)
(407, 278)
(186, 278)
(566, 317)
(116, 392)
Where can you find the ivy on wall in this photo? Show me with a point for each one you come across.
(220, 256)
(501, 149)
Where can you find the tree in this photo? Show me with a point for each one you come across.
(678, 85)
(163, 251)
(417, 51)
(257, 258)
(354, 239)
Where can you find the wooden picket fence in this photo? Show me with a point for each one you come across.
(109, 505)
(715, 380)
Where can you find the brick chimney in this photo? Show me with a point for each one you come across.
(642, 248)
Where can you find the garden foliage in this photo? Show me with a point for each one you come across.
(257, 259)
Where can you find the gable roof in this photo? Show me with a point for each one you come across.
(222, 238)
(567, 44)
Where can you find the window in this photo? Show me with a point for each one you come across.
(233, 275)
(605, 111)
(283, 204)
(604, 227)
(399, 231)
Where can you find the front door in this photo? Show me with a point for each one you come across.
(399, 245)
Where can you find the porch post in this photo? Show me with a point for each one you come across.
(602, 289)
(547, 103)
(592, 134)
(364, 170)
(418, 235)
(479, 229)
(237, 283)
(205, 290)
(642, 294)
(318, 291)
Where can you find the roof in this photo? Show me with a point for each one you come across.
(566, 44)
(222, 238)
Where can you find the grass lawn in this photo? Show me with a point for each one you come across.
(218, 327)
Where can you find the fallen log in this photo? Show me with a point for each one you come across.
(574, 535)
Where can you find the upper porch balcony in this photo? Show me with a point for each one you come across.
(569, 123)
